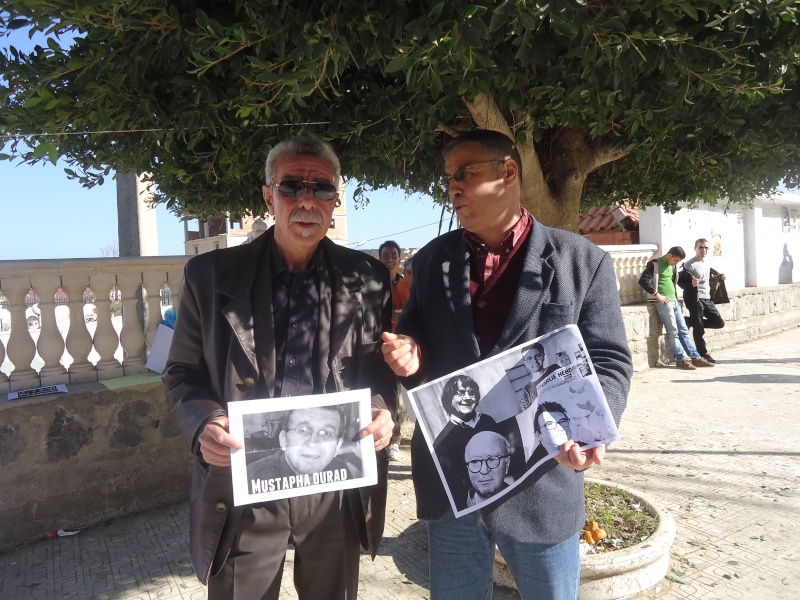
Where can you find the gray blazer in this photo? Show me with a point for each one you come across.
(223, 351)
(565, 279)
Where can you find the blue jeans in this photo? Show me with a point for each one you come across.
(461, 556)
(678, 338)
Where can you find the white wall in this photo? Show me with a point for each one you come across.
(771, 238)
(687, 225)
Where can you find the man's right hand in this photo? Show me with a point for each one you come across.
(216, 442)
(401, 353)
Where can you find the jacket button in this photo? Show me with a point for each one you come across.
(221, 507)
(249, 381)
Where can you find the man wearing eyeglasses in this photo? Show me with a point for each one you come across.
(695, 279)
(551, 426)
(487, 457)
(310, 442)
(502, 280)
(289, 314)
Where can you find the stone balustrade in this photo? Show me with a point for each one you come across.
(81, 320)
(629, 262)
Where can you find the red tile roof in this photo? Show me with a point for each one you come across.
(617, 217)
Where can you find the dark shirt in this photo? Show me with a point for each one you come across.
(493, 280)
(295, 313)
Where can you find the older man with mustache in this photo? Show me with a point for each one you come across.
(289, 314)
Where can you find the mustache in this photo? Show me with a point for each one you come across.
(305, 215)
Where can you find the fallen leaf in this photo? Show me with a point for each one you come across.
(677, 579)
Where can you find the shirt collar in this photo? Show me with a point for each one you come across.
(279, 269)
(511, 239)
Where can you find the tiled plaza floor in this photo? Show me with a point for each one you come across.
(716, 447)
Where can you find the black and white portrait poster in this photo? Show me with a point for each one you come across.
(492, 424)
(301, 445)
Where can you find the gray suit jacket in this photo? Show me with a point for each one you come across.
(223, 351)
(565, 279)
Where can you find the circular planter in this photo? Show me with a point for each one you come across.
(620, 573)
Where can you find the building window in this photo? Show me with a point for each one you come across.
(333, 224)
(216, 245)
(236, 224)
(196, 251)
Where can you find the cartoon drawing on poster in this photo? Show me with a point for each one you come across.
(490, 425)
(716, 241)
(301, 445)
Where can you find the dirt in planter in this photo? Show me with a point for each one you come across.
(617, 517)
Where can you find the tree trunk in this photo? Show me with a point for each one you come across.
(554, 171)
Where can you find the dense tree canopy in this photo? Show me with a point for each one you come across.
(658, 101)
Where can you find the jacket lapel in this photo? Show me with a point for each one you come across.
(339, 302)
(455, 278)
(240, 286)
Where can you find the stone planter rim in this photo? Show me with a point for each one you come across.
(619, 561)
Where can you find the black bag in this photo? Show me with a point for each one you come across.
(719, 294)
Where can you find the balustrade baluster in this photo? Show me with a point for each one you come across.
(152, 281)
(51, 343)
(132, 336)
(3, 378)
(106, 340)
(79, 342)
(21, 349)
(174, 280)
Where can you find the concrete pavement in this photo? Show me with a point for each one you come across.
(715, 446)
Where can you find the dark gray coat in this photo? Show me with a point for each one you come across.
(223, 351)
(565, 279)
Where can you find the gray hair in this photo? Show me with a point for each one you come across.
(301, 146)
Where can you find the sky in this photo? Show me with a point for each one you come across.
(44, 214)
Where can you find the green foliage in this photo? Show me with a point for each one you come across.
(702, 96)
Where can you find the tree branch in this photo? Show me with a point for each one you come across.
(607, 155)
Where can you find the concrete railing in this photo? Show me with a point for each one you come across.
(81, 320)
(44, 349)
(629, 262)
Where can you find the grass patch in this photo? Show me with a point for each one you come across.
(621, 515)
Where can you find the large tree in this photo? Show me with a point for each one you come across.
(657, 101)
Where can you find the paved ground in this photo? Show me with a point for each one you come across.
(714, 446)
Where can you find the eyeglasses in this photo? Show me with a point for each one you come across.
(323, 435)
(552, 424)
(476, 465)
(463, 173)
(292, 188)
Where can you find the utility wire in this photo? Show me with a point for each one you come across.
(389, 235)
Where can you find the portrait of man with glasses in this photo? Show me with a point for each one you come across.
(551, 426)
(487, 457)
(312, 440)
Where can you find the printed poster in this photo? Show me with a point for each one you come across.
(301, 445)
(491, 425)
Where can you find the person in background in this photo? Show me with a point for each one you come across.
(408, 271)
(389, 252)
(658, 280)
(695, 279)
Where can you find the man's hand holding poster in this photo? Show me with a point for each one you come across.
(301, 445)
(491, 425)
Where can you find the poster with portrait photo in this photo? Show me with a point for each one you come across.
(492, 424)
(301, 445)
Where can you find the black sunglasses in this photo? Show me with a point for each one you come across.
(293, 188)
(462, 173)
